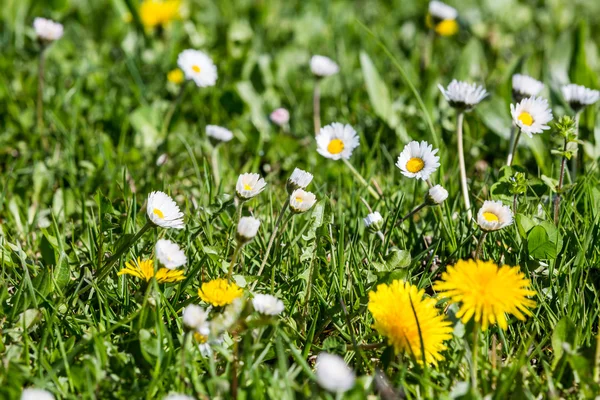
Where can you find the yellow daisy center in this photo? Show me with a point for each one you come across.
(299, 199)
(200, 338)
(415, 165)
(158, 213)
(526, 118)
(490, 217)
(336, 146)
(447, 27)
(247, 187)
(196, 69)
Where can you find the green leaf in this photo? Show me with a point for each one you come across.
(379, 94)
(539, 244)
(564, 332)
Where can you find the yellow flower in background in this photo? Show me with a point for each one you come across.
(392, 308)
(442, 18)
(219, 292)
(447, 27)
(159, 12)
(144, 269)
(487, 292)
(175, 76)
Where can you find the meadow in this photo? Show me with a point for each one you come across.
(299, 199)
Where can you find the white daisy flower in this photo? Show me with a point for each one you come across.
(418, 160)
(197, 66)
(301, 201)
(219, 133)
(267, 304)
(249, 185)
(333, 374)
(163, 211)
(442, 11)
(47, 30)
(298, 180)
(323, 66)
(493, 215)
(36, 394)
(436, 195)
(463, 95)
(196, 318)
(525, 86)
(178, 396)
(337, 141)
(205, 344)
(579, 96)
(373, 222)
(169, 254)
(247, 228)
(531, 115)
(280, 117)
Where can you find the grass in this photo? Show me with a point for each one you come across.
(66, 208)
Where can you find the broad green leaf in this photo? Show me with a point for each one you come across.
(539, 245)
(379, 94)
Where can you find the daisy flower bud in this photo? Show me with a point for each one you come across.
(524, 86)
(579, 96)
(301, 201)
(218, 133)
(463, 95)
(373, 222)
(280, 117)
(178, 396)
(169, 254)
(333, 374)
(249, 185)
(195, 318)
(418, 160)
(47, 30)
(531, 115)
(337, 141)
(267, 304)
(36, 394)
(323, 66)
(493, 216)
(163, 211)
(298, 180)
(247, 228)
(436, 195)
(197, 66)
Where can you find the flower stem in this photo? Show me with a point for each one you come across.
(514, 147)
(40, 97)
(183, 350)
(461, 163)
(511, 145)
(381, 236)
(560, 184)
(361, 179)
(317, 106)
(480, 245)
(233, 260)
(410, 214)
(574, 159)
(273, 235)
(169, 116)
(214, 160)
(474, 354)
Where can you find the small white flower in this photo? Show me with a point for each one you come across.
(47, 30)
(280, 117)
(301, 201)
(197, 66)
(298, 180)
(323, 66)
(177, 396)
(525, 86)
(442, 11)
(249, 185)
(337, 141)
(531, 115)
(579, 96)
(247, 228)
(418, 160)
(163, 211)
(437, 195)
(36, 394)
(196, 318)
(493, 215)
(373, 219)
(333, 374)
(205, 344)
(219, 133)
(463, 95)
(169, 254)
(267, 304)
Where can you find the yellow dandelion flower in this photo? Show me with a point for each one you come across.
(175, 76)
(394, 318)
(144, 269)
(219, 292)
(159, 12)
(487, 292)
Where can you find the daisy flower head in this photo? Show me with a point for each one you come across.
(436, 195)
(218, 133)
(205, 344)
(196, 318)
(197, 66)
(373, 222)
(169, 254)
(298, 180)
(249, 185)
(579, 96)
(301, 201)
(524, 86)
(177, 396)
(337, 141)
(442, 18)
(47, 30)
(176, 76)
(486, 292)
(144, 269)
(333, 374)
(323, 66)
(219, 292)
(36, 394)
(267, 304)
(404, 315)
(463, 95)
(163, 211)
(531, 115)
(493, 216)
(418, 160)
(159, 12)
(280, 116)
(247, 228)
